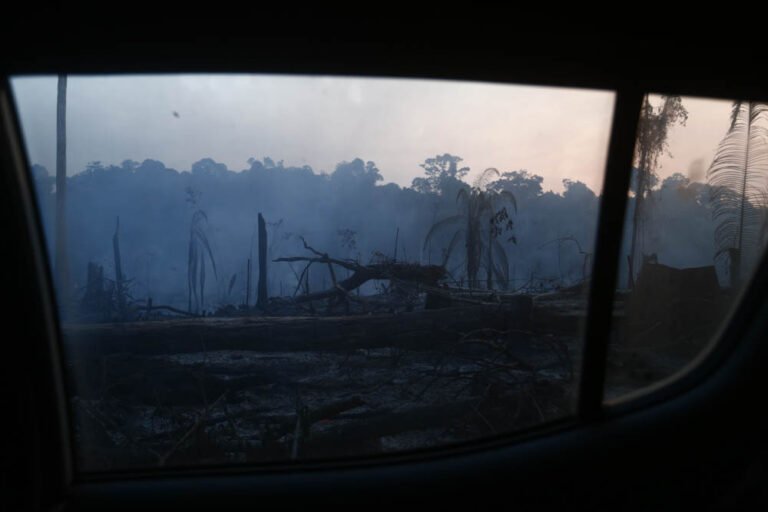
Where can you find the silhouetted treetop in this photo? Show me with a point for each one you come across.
(208, 166)
(522, 184)
(442, 174)
(357, 171)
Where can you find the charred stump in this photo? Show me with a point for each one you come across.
(119, 281)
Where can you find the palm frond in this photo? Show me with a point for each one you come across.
(738, 177)
(501, 276)
(501, 264)
(198, 247)
(452, 245)
(192, 277)
(509, 196)
(735, 110)
(482, 181)
(462, 195)
(757, 111)
(474, 245)
(764, 229)
(440, 225)
(202, 281)
(207, 246)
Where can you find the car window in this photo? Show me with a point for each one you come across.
(695, 230)
(255, 268)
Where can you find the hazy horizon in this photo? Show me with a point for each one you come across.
(320, 121)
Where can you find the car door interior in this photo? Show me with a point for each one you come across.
(698, 442)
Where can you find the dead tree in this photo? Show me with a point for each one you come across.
(411, 272)
(262, 296)
(587, 256)
(248, 285)
(119, 281)
(62, 263)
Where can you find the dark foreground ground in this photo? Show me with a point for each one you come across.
(268, 389)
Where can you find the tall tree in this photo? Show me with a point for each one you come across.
(652, 134)
(739, 177)
(62, 264)
(441, 171)
(262, 286)
(120, 290)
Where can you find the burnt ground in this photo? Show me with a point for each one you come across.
(259, 390)
(176, 393)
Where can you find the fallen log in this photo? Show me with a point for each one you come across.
(428, 275)
(411, 272)
(415, 330)
(149, 308)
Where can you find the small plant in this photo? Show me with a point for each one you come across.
(198, 247)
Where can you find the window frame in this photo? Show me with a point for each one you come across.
(596, 421)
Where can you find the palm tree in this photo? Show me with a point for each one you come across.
(477, 206)
(739, 179)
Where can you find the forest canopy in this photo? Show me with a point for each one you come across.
(348, 214)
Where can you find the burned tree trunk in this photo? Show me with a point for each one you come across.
(262, 296)
(62, 263)
(119, 285)
(248, 285)
(397, 237)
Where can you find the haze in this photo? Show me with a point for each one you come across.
(320, 121)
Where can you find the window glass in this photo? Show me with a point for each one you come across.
(253, 269)
(695, 228)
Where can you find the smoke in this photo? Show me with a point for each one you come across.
(696, 170)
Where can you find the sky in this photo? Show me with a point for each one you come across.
(321, 121)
